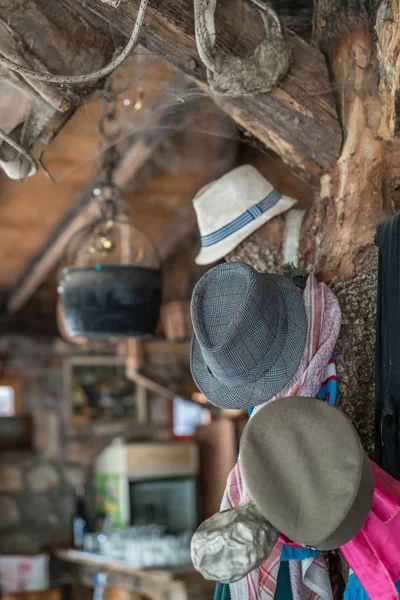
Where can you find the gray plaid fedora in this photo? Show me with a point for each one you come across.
(250, 331)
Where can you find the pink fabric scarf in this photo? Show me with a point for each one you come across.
(374, 553)
(324, 319)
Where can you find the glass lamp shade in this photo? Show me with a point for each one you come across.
(110, 283)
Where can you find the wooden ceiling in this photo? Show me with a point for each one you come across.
(30, 210)
(162, 143)
(173, 140)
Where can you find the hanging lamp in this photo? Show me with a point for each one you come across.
(110, 282)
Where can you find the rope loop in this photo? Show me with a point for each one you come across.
(235, 76)
(14, 168)
(93, 76)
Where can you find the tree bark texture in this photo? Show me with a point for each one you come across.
(361, 44)
(361, 190)
(297, 120)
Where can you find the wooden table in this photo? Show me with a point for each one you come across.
(53, 594)
(176, 583)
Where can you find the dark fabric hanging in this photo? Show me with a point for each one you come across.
(387, 351)
(283, 585)
(222, 592)
(336, 574)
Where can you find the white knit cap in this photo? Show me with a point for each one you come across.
(229, 209)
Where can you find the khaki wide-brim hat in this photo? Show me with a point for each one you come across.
(231, 208)
(307, 472)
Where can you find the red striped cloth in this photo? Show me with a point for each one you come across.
(324, 318)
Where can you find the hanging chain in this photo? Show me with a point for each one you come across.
(110, 132)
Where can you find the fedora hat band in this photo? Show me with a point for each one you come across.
(249, 215)
(254, 340)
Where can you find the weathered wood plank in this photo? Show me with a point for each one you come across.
(45, 35)
(31, 322)
(41, 35)
(388, 42)
(298, 120)
(360, 191)
(357, 193)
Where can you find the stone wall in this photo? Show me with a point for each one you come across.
(36, 502)
(37, 487)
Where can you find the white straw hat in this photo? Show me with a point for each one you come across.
(230, 209)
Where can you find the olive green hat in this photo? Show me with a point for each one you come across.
(307, 472)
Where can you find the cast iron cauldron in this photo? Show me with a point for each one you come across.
(110, 282)
(111, 301)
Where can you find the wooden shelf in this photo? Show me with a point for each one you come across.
(153, 584)
(161, 347)
(188, 391)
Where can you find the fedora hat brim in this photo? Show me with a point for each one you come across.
(278, 376)
(216, 252)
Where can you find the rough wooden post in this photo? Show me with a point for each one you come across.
(360, 191)
(357, 193)
(135, 358)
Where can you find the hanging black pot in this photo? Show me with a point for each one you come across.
(110, 284)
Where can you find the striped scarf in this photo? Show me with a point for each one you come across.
(324, 318)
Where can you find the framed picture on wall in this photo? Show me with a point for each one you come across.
(11, 397)
(98, 391)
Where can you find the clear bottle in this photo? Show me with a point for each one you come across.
(79, 518)
(100, 586)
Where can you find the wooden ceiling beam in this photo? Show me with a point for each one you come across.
(298, 120)
(42, 36)
(32, 323)
(139, 149)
